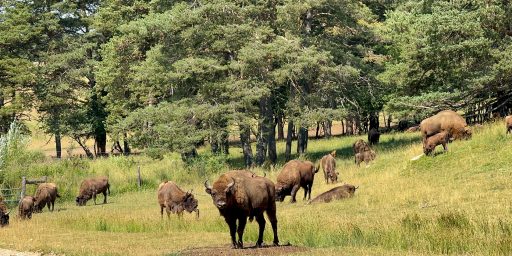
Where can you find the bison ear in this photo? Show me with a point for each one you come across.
(231, 186)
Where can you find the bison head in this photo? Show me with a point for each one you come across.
(190, 203)
(81, 200)
(220, 194)
(333, 176)
(4, 218)
(467, 133)
(282, 192)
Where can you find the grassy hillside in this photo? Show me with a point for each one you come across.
(454, 203)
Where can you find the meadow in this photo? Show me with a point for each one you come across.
(454, 203)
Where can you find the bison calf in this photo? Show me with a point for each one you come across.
(46, 194)
(4, 214)
(26, 207)
(328, 163)
(175, 200)
(373, 136)
(238, 195)
(92, 187)
(365, 156)
(336, 193)
(431, 143)
(295, 174)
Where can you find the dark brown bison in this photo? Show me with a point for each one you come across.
(336, 193)
(508, 123)
(373, 136)
(26, 207)
(448, 121)
(92, 187)
(4, 214)
(46, 194)
(413, 128)
(295, 174)
(441, 138)
(238, 195)
(328, 163)
(366, 156)
(360, 146)
(175, 200)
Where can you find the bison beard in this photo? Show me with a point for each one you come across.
(238, 195)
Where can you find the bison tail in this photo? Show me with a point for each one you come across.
(108, 189)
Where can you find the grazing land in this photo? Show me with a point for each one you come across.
(453, 203)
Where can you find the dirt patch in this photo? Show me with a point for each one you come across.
(250, 250)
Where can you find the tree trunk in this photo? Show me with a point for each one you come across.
(245, 139)
(374, 120)
(214, 145)
(302, 140)
(317, 130)
(87, 151)
(328, 129)
(272, 149)
(350, 127)
(280, 128)
(342, 127)
(58, 145)
(389, 121)
(225, 142)
(126, 146)
(262, 136)
(289, 137)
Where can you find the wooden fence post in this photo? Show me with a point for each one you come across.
(139, 180)
(23, 187)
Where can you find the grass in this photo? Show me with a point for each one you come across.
(454, 203)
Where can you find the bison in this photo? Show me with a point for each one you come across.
(508, 123)
(26, 207)
(441, 138)
(373, 136)
(336, 193)
(365, 156)
(4, 214)
(238, 195)
(92, 187)
(328, 163)
(175, 200)
(360, 146)
(448, 121)
(295, 174)
(46, 194)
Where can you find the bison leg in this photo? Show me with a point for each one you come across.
(49, 205)
(309, 190)
(161, 211)
(53, 205)
(232, 231)
(104, 197)
(445, 146)
(294, 193)
(271, 214)
(305, 192)
(261, 222)
(241, 227)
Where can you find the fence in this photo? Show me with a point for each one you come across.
(12, 196)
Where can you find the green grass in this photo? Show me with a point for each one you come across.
(454, 203)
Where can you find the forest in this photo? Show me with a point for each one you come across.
(173, 75)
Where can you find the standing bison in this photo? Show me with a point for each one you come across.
(366, 156)
(238, 195)
(26, 207)
(175, 200)
(373, 136)
(4, 214)
(441, 138)
(448, 121)
(295, 174)
(92, 187)
(46, 194)
(508, 123)
(336, 193)
(328, 163)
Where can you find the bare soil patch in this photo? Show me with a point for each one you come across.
(250, 250)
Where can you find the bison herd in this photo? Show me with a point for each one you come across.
(240, 195)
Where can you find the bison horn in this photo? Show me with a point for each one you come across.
(8, 212)
(356, 187)
(206, 185)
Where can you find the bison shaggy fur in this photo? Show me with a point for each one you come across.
(174, 200)
(92, 187)
(336, 193)
(238, 195)
(294, 175)
(366, 156)
(328, 163)
(360, 146)
(432, 142)
(448, 121)
(26, 207)
(46, 194)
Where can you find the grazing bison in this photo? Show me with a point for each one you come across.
(328, 163)
(46, 194)
(92, 187)
(448, 121)
(26, 207)
(295, 174)
(336, 193)
(373, 136)
(175, 200)
(237, 195)
(413, 128)
(4, 214)
(508, 123)
(441, 138)
(365, 156)
(360, 146)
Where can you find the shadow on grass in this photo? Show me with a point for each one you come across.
(386, 144)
